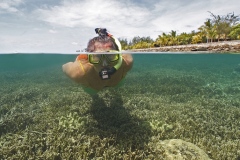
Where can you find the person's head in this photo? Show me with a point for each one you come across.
(101, 44)
(108, 62)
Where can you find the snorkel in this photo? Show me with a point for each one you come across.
(105, 73)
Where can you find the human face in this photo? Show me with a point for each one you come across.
(103, 60)
(102, 46)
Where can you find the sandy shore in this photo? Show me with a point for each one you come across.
(219, 47)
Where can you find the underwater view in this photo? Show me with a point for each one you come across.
(171, 106)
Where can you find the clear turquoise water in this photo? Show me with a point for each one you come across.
(150, 72)
(218, 64)
(196, 94)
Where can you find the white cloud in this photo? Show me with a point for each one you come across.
(9, 5)
(67, 25)
(127, 19)
(122, 18)
(89, 13)
(52, 31)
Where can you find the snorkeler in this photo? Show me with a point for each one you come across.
(97, 71)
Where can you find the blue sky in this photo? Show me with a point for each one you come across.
(64, 26)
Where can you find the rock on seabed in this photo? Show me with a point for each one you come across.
(182, 150)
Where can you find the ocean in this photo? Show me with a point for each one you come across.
(165, 97)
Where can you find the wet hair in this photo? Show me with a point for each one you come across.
(101, 39)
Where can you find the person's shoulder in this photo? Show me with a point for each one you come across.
(128, 59)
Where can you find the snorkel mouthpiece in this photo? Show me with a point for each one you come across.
(106, 72)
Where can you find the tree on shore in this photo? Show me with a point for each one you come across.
(184, 38)
(208, 30)
(215, 28)
(235, 32)
(162, 40)
(224, 24)
(124, 43)
(197, 38)
(170, 39)
(173, 38)
(137, 42)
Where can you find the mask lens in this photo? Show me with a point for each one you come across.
(95, 58)
(112, 57)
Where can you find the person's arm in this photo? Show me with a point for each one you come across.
(128, 60)
(74, 71)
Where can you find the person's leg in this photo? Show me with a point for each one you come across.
(90, 90)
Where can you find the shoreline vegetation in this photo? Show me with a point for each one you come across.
(219, 47)
(219, 33)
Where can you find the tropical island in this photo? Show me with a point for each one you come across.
(219, 33)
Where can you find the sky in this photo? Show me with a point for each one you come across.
(64, 26)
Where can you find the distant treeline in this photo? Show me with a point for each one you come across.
(217, 28)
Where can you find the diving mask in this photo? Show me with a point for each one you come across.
(97, 58)
(106, 72)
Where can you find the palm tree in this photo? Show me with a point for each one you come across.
(163, 39)
(173, 39)
(208, 30)
(184, 38)
(235, 32)
(197, 38)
